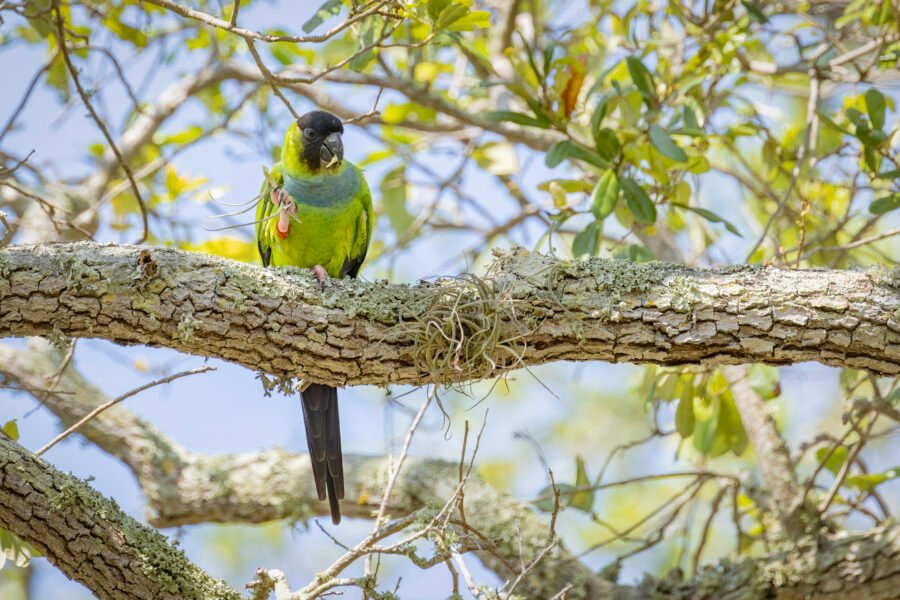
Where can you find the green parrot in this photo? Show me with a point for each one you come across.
(315, 212)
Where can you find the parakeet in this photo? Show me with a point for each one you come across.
(315, 212)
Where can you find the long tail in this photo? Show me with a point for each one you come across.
(323, 436)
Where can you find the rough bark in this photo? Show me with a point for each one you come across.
(529, 309)
(849, 565)
(89, 539)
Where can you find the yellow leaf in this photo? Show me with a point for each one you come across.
(227, 247)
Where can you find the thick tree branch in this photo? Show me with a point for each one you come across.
(848, 565)
(530, 310)
(89, 539)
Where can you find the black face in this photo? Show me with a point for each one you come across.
(322, 144)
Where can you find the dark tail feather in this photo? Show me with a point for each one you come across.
(333, 501)
(323, 437)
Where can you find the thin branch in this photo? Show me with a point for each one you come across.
(270, 78)
(114, 401)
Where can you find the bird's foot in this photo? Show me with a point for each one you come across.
(286, 209)
(321, 275)
(280, 198)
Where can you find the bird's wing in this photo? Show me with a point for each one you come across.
(362, 235)
(273, 179)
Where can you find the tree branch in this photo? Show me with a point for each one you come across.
(89, 538)
(530, 309)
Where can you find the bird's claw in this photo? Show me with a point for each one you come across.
(286, 209)
(321, 275)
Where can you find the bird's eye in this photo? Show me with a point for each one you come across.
(308, 132)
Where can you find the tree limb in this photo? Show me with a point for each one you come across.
(89, 538)
(530, 309)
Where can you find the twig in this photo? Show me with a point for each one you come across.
(269, 77)
(802, 158)
(395, 471)
(856, 244)
(845, 468)
(372, 113)
(713, 510)
(247, 34)
(115, 401)
(32, 84)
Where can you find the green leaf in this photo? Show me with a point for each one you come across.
(329, 9)
(58, 76)
(765, 381)
(568, 149)
(731, 434)
(642, 79)
(546, 502)
(857, 118)
(665, 144)
(361, 61)
(476, 19)
(638, 201)
(607, 144)
(871, 138)
(868, 481)
(126, 32)
(755, 12)
(892, 174)
(835, 461)
(634, 253)
(434, 8)
(450, 15)
(684, 414)
(584, 500)
(393, 199)
(587, 241)
(517, 118)
(182, 137)
(709, 216)
(11, 429)
(872, 158)
(875, 107)
(689, 117)
(605, 195)
(568, 185)
(704, 435)
(885, 204)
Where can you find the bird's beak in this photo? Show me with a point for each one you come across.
(332, 153)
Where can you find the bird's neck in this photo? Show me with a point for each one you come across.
(325, 188)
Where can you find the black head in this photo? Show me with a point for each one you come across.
(322, 144)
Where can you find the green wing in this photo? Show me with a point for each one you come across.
(363, 234)
(264, 211)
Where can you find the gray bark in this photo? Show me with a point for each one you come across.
(529, 309)
(88, 538)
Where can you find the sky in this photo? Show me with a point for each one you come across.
(570, 409)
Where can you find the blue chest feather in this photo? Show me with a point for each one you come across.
(326, 189)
